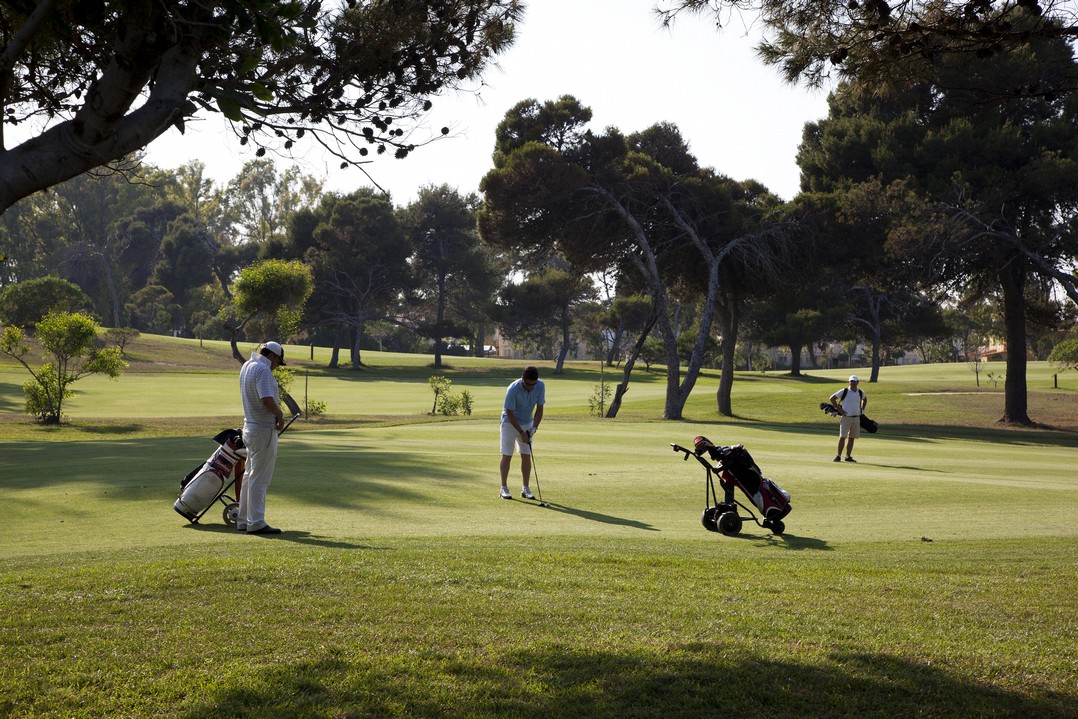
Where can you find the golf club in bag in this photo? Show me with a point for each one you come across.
(209, 482)
(736, 468)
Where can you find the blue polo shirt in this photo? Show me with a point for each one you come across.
(522, 402)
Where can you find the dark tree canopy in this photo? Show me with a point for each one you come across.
(107, 78)
(968, 193)
(897, 42)
(639, 203)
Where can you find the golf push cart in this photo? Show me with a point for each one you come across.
(210, 481)
(736, 468)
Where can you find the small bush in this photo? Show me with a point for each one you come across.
(445, 401)
(599, 399)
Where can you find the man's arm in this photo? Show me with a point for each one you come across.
(538, 417)
(275, 409)
(511, 416)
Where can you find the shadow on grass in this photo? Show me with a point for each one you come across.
(702, 679)
(786, 540)
(11, 398)
(291, 535)
(912, 433)
(793, 541)
(599, 517)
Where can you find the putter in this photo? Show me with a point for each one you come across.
(535, 474)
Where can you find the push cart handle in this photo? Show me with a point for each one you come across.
(679, 448)
(690, 453)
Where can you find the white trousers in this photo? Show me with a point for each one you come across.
(261, 459)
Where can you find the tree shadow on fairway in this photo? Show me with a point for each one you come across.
(297, 536)
(914, 434)
(11, 398)
(599, 517)
(698, 679)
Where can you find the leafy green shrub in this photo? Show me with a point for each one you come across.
(445, 401)
(68, 341)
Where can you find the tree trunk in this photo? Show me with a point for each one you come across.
(795, 360)
(480, 341)
(114, 297)
(1013, 281)
(615, 405)
(874, 375)
(673, 406)
(335, 353)
(357, 342)
(615, 344)
(729, 348)
(565, 340)
(438, 341)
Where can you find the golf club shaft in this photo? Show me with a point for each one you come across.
(290, 421)
(535, 473)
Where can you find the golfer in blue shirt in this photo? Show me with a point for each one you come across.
(521, 416)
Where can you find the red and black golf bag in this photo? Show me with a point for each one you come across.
(739, 468)
(736, 468)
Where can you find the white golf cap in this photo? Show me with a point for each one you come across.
(853, 377)
(276, 349)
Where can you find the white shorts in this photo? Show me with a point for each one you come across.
(512, 439)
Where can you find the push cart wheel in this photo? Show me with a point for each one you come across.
(729, 523)
(777, 527)
(709, 519)
(231, 513)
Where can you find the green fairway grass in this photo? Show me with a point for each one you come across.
(934, 578)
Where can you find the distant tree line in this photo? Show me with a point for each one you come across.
(938, 208)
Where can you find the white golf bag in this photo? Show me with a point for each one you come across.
(208, 482)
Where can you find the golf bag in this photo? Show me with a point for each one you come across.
(869, 425)
(208, 482)
(737, 468)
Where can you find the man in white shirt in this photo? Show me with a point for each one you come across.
(850, 403)
(262, 420)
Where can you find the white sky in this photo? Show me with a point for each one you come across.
(737, 115)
